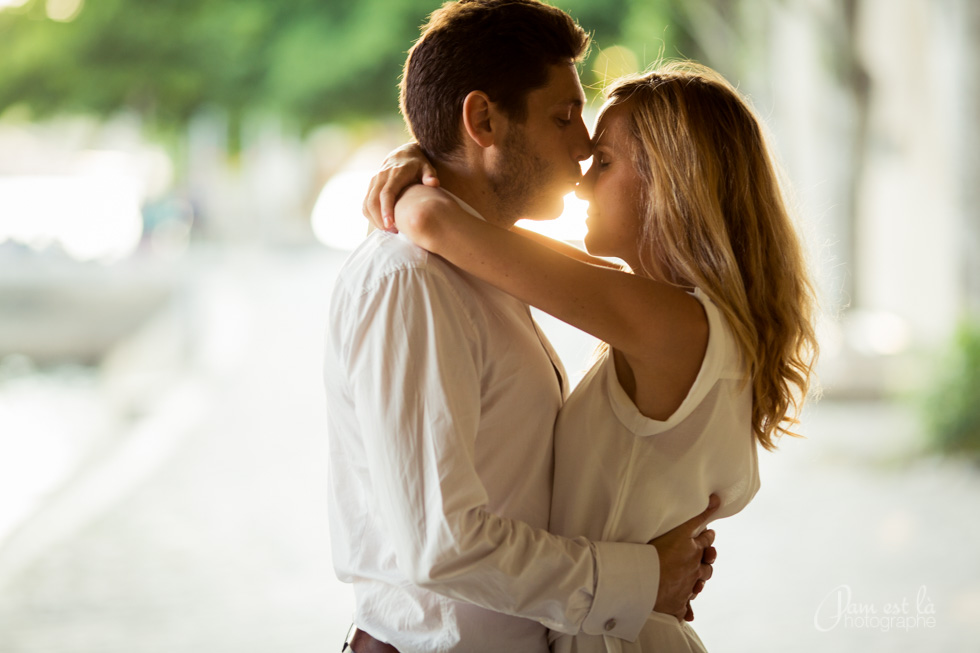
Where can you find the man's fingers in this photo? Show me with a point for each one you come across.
(696, 523)
(689, 613)
(698, 586)
(705, 572)
(710, 555)
(705, 539)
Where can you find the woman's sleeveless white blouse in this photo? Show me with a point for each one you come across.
(621, 476)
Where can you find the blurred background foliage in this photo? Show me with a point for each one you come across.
(953, 405)
(307, 61)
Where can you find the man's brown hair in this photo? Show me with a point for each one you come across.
(501, 47)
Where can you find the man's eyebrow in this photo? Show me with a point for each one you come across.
(575, 103)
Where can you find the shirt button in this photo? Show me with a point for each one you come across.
(610, 625)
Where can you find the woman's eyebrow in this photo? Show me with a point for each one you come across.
(597, 140)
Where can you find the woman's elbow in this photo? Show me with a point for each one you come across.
(417, 215)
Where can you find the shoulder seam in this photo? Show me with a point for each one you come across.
(423, 270)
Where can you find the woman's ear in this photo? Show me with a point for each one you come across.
(479, 118)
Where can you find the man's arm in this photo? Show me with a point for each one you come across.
(415, 373)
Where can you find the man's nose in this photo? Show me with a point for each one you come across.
(582, 143)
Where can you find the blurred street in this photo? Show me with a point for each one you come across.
(198, 523)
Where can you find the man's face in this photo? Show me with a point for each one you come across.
(539, 158)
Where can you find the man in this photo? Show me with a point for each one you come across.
(442, 392)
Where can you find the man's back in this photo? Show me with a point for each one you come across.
(441, 402)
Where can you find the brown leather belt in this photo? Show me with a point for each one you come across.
(361, 642)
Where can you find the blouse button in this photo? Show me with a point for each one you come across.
(610, 625)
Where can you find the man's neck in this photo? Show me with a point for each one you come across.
(472, 187)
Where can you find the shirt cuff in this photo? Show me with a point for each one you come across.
(627, 580)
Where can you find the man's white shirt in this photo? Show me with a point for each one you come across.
(441, 400)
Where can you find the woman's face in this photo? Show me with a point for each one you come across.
(614, 191)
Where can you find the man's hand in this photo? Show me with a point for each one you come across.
(401, 168)
(708, 558)
(685, 563)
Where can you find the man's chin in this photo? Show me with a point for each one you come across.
(546, 210)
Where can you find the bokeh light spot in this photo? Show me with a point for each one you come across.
(64, 11)
(614, 62)
(337, 218)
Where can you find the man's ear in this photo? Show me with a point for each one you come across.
(479, 116)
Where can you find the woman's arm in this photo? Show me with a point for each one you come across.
(645, 319)
(567, 249)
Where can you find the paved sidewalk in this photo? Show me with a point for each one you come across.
(220, 543)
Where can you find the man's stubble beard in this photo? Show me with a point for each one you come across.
(521, 179)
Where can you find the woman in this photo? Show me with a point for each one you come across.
(709, 342)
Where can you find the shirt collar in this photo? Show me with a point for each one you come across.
(466, 207)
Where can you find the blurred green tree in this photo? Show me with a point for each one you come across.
(952, 406)
(309, 61)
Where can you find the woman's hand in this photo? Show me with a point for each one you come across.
(401, 168)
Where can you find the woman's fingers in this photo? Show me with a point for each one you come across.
(371, 208)
(429, 177)
(402, 168)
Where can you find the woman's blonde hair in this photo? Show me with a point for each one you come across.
(717, 219)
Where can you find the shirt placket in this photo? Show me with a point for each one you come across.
(552, 355)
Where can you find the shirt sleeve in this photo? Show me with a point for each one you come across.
(413, 360)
